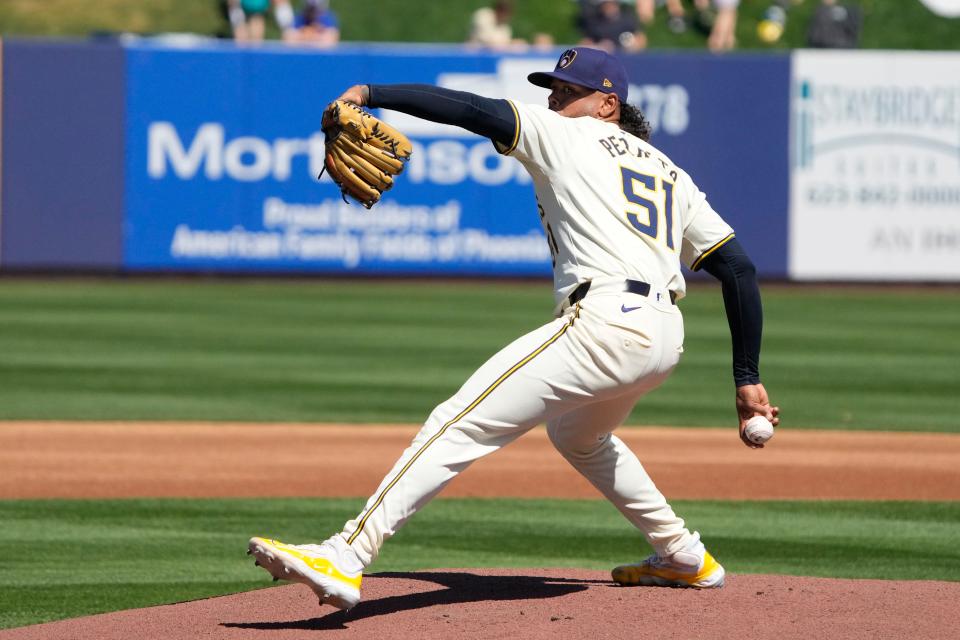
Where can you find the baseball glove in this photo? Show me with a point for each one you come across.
(363, 154)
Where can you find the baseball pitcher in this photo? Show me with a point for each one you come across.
(620, 218)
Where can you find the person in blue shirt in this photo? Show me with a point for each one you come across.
(315, 25)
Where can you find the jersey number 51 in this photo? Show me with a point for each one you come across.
(648, 191)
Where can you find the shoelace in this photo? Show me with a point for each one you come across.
(657, 562)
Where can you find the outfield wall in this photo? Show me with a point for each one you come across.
(147, 157)
(63, 146)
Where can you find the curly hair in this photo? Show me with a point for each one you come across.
(633, 121)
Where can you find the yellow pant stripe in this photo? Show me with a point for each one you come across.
(458, 417)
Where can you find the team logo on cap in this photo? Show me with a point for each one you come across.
(566, 59)
(607, 83)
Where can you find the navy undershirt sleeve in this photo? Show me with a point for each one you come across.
(490, 118)
(741, 297)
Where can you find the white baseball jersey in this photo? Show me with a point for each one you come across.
(613, 208)
(612, 204)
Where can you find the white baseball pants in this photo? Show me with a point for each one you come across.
(581, 374)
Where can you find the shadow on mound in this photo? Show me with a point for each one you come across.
(461, 588)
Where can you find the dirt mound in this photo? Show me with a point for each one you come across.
(544, 603)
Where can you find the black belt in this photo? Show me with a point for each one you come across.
(633, 286)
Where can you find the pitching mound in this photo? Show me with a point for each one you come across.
(544, 603)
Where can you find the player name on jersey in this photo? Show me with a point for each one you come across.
(620, 146)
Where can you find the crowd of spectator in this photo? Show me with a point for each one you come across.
(613, 25)
(622, 24)
(314, 23)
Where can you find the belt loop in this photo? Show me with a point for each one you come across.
(579, 293)
(638, 287)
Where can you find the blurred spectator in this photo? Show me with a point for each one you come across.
(722, 24)
(248, 18)
(677, 21)
(490, 27)
(605, 24)
(315, 25)
(834, 26)
(703, 17)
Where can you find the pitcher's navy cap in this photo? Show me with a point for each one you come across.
(587, 67)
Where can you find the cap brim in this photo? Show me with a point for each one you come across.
(544, 78)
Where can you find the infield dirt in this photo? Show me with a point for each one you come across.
(119, 460)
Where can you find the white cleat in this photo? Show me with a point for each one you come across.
(331, 569)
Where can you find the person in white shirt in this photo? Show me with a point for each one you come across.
(620, 218)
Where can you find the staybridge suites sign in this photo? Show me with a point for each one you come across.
(876, 166)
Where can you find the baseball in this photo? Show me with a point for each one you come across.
(758, 430)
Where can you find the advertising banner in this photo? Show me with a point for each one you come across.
(224, 149)
(875, 180)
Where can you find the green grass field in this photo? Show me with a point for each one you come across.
(361, 351)
(358, 351)
(69, 558)
(888, 24)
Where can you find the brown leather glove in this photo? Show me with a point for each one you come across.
(363, 154)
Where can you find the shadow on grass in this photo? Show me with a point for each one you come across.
(460, 588)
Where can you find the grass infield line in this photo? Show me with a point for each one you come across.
(373, 351)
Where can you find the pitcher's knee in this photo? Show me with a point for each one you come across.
(571, 442)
